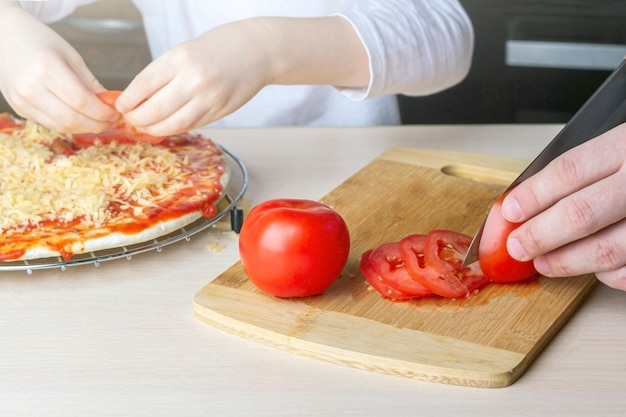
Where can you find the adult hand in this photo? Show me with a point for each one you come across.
(44, 79)
(575, 212)
(207, 78)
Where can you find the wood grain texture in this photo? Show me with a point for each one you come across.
(486, 341)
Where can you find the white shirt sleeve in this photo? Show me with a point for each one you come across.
(415, 47)
(52, 11)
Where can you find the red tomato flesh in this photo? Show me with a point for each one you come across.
(122, 127)
(474, 278)
(109, 97)
(293, 248)
(421, 265)
(8, 123)
(494, 258)
(388, 263)
(445, 250)
(376, 281)
(440, 278)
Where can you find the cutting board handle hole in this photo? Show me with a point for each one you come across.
(479, 174)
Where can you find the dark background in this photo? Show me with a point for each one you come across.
(495, 92)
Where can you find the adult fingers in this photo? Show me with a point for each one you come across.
(614, 279)
(603, 253)
(572, 171)
(574, 217)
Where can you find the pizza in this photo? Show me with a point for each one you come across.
(63, 195)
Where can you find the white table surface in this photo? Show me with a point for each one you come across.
(121, 340)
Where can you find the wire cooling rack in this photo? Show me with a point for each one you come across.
(228, 205)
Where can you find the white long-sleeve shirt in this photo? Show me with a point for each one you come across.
(415, 47)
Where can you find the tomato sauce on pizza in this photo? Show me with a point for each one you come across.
(65, 195)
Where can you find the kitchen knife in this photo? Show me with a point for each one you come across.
(605, 109)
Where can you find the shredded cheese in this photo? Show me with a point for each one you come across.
(215, 247)
(38, 184)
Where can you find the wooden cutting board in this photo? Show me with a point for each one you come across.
(486, 341)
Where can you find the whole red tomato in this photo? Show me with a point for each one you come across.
(293, 248)
(494, 258)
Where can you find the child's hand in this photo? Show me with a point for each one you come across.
(196, 82)
(205, 79)
(44, 79)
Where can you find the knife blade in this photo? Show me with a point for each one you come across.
(605, 109)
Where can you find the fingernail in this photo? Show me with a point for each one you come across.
(511, 210)
(516, 250)
(542, 266)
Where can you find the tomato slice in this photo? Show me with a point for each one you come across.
(445, 250)
(8, 124)
(388, 263)
(442, 281)
(473, 277)
(89, 139)
(109, 97)
(123, 128)
(376, 281)
(420, 265)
